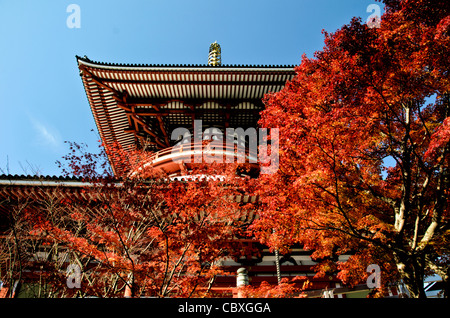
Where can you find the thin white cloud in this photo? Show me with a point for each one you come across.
(46, 136)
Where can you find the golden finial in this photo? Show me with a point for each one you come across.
(214, 57)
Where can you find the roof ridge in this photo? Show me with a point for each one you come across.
(38, 177)
(86, 59)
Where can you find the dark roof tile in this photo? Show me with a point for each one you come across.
(86, 59)
(16, 177)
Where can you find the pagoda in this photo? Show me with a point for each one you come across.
(140, 106)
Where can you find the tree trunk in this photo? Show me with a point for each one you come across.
(411, 270)
(446, 283)
(129, 287)
(446, 286)
(444, 272)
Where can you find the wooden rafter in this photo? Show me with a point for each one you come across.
(116, 95)
(191, 103)
(163, 130)
(147, 129)
(133, 118)
(159, 110)
(189, 112)
(234, 83)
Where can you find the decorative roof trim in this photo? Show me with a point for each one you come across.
(28, 180)
(38, 177)
(181, 67)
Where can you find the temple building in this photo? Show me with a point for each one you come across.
(141, 105)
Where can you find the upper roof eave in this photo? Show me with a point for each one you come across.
(32, 180)
(185, 67)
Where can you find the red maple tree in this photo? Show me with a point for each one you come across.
(371, 96)
(145, 236)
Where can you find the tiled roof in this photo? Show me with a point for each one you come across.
(17, 177)
(87, 60)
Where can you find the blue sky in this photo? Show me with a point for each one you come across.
(42, 99)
